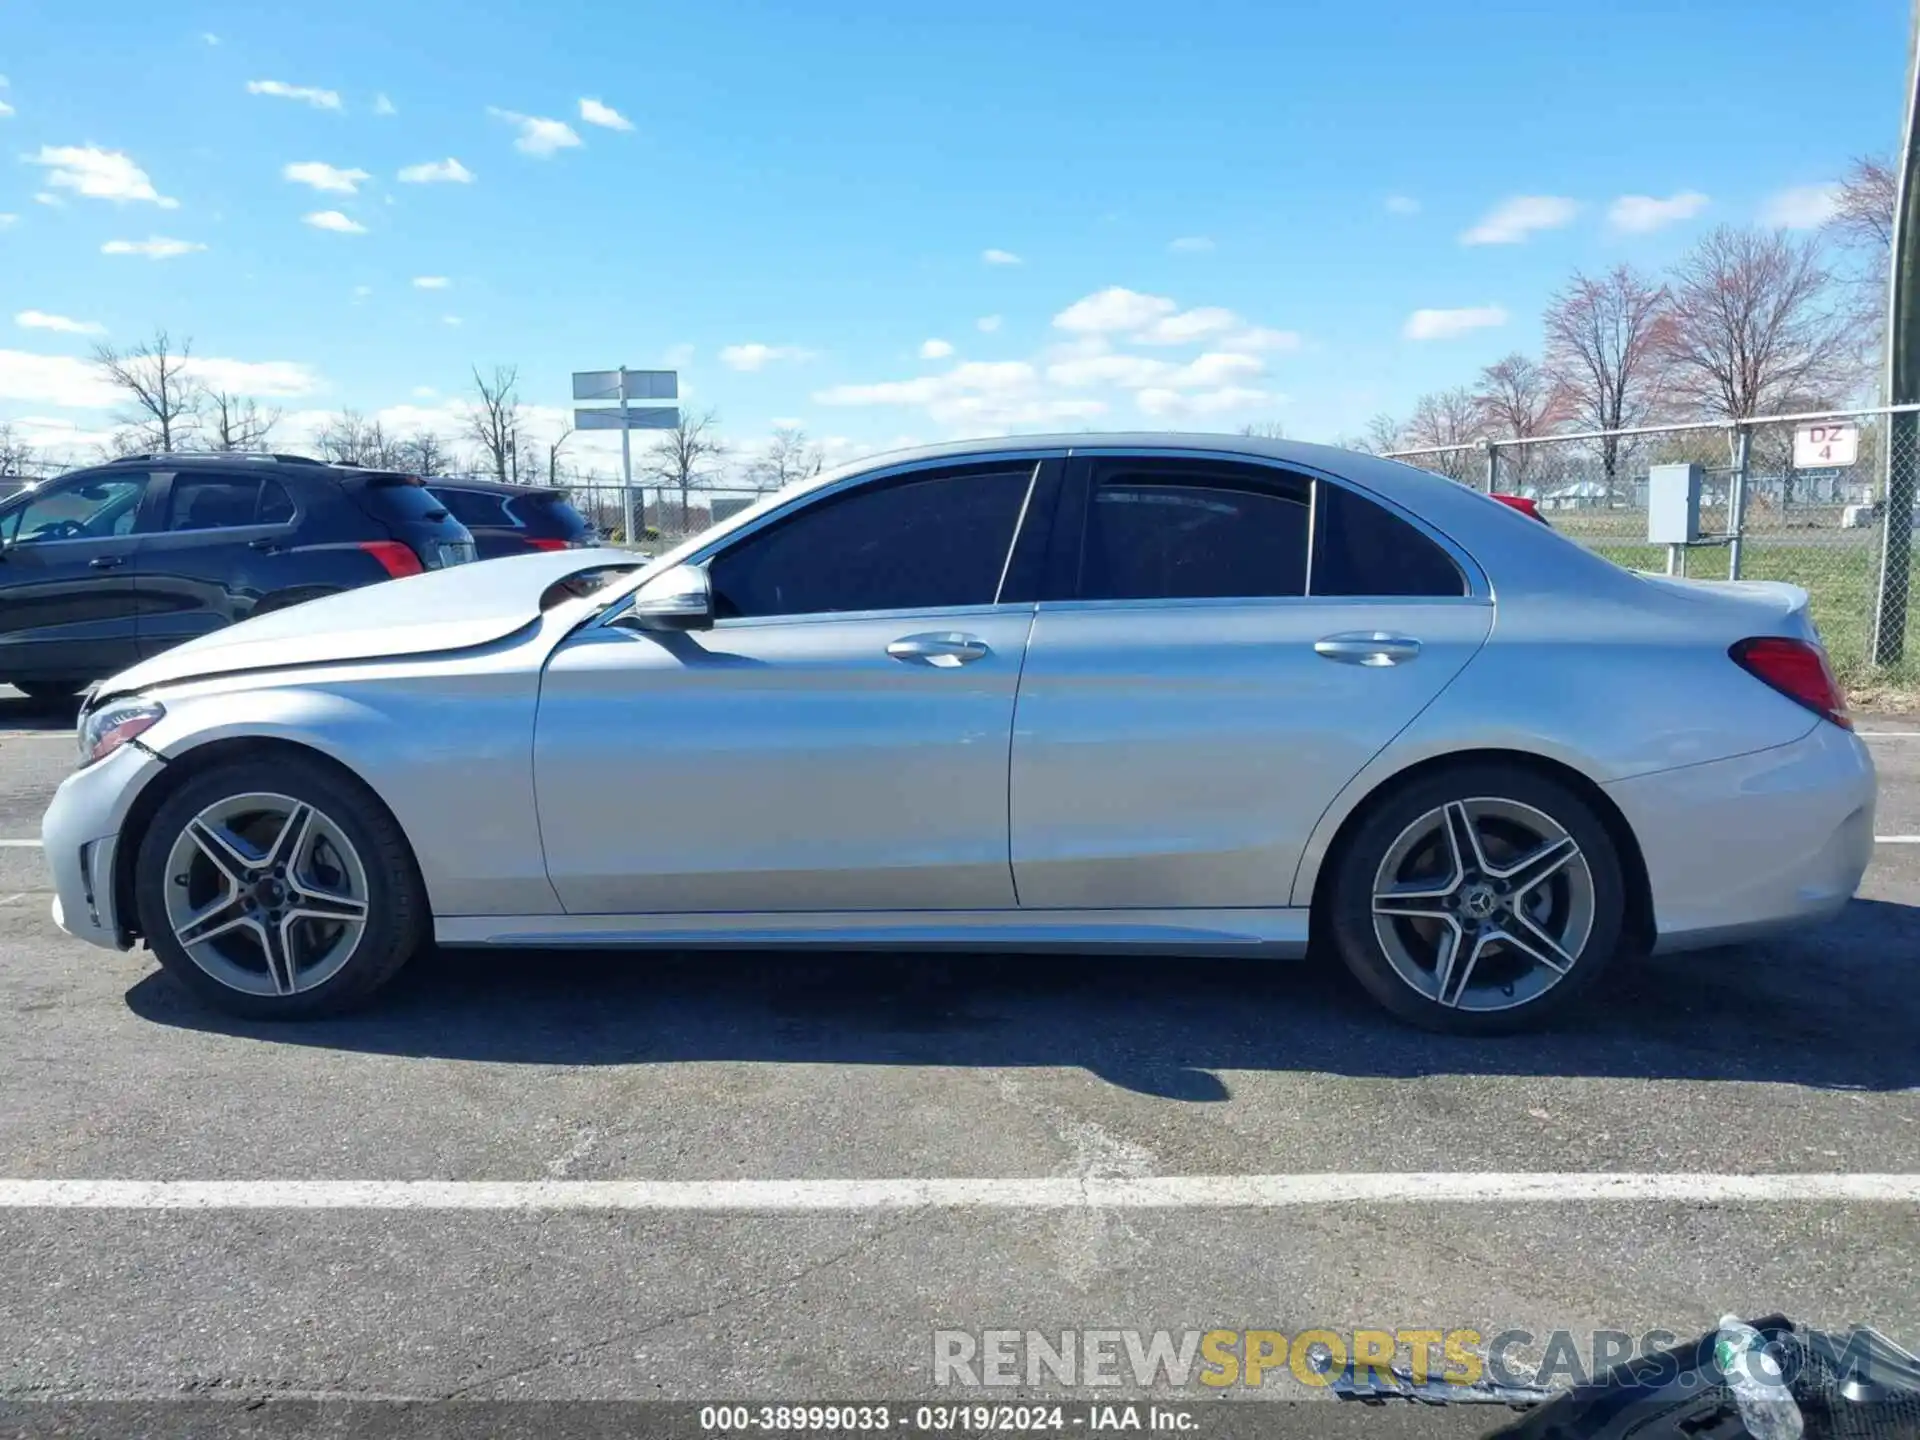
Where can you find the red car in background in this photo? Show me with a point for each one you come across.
(1524, 506)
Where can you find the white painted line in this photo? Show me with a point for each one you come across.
(1888, 734)
(1172, 1192)
(1896, 839)
(19, 844)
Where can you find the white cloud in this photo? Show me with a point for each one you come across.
(54, 380)
(383, 106)
(1187, 326)
(335, 221)
(277, 378)
(755, 356)
(437, 172)
(594, 113)
(1190, 245)
(322, 176)
(1402, 205)
(424, 392)
(1511, 221)
(209, 37)
(319, 99)
(1803, 207)
(1166, 404)
(1135, 372)
(1446, 324)
(1001, 257)
(431, 282)
(1112, 310)
(987, 324)
(538, 135)
(935, 349)
(47, 197)
(98, 174)
(1259, 337)
(1639, 214)
(154, 247)
(5, 109)
(360, 292)
(7, 219)
(450, 320)
(40, 320)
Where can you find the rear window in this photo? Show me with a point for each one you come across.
(547, 513)
(396, 498)
(474, 507)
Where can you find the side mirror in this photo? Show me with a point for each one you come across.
(676, 599)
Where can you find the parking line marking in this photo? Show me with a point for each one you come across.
(20, 844)
(1896, 839)
(1888, 734)
(1171, 1192)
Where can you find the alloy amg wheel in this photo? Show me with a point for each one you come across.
(278, 889)
(266, 894)
(1478, 899)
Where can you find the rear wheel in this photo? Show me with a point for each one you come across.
(279, 890)
(1481, 899)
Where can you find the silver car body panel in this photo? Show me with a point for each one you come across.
(762, 765)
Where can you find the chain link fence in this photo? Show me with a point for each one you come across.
(1766, 513)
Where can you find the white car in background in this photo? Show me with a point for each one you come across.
(1156, 693)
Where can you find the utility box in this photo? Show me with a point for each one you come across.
(1673, 504)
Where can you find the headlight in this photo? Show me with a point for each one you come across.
(105, 730)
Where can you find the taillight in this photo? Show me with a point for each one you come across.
(396, 559)
(546, 544)
(1798, 670)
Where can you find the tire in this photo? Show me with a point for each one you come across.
(350, 851)
(1513, 976)
(47, 692)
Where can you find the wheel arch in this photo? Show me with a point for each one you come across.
(189, 764)
(1639, 928)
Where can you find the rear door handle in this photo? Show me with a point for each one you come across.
(942, 649)
(264, 546)
(1372, 648)
(107, 562)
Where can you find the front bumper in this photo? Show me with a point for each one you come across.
(80, 838)
(1742, 847)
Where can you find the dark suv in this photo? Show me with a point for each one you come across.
(110, 564)
(513, 519)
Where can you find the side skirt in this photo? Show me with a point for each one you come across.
(1280, 932)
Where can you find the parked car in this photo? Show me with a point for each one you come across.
(105, 566)
(514, 519)
(1525, 504)
(1261, 699)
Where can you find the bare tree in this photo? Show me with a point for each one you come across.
(16, 455)
(236, 423)
(423, 453)
(685, 456)
(1520, 400)
(493, 419)
(1755, 319)
(1264, 430)
(164, 398)
(1382, 433)
(1863, 214)
(352, 439)
(1448, 417)
(555, 447)
(789, 456)
(1604, 353)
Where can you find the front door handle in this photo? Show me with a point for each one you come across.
(107, 562)
(942, 649)
(1372, 648)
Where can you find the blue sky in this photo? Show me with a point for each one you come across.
(1191, 215)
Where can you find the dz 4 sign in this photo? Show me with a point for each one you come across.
(1826, 447)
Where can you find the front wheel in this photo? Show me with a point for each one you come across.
(1480, 899)
(278, 890)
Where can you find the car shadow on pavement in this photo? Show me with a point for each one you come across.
(17, 712)
(1835, 1007)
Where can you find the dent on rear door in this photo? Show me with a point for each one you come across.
(1180, 754)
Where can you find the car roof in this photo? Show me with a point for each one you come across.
(488, 487)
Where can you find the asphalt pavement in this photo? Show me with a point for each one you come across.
(1792, 1057)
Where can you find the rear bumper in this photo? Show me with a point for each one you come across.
(80, 837)
(1743, 847)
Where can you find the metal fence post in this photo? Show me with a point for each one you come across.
(1737, 498)
(1493, 465)
(1896, 540)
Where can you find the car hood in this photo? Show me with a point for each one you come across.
(452, 609)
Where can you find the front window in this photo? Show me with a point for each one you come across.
(919, 542)
(89, 509)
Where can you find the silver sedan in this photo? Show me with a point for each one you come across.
(1149, 693)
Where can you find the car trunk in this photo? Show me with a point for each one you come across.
(413, 516)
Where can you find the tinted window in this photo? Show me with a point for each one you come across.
(1173, 534)
(1365, 549)
(214, 501)
(475, 507)
(902, 545)
(90, 509)
(276, 506)
(547, 514)
(395, 498)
